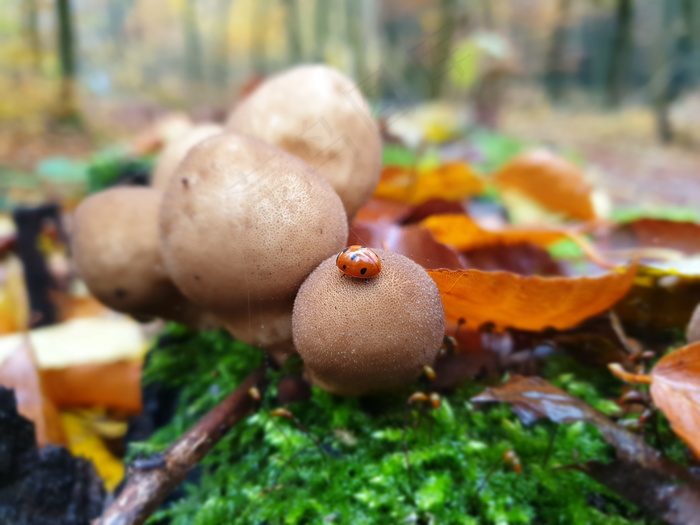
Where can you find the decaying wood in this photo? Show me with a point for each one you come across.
(151, 480)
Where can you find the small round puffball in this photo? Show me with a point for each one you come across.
(363, 335)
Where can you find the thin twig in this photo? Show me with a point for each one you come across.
(147, 487)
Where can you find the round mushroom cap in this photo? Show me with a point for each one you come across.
(177, 150)
(319, 115)
(363, 335)
(243, 222)
(116, 252)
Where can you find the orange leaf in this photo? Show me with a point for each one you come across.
(527, 303)
(463, 233)
(19, 372)
(675, 389)
(551, 181)
(452, 181)
(116, 385)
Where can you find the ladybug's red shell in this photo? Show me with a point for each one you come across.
(359, 261)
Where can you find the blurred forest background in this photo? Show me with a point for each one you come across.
(627, 69)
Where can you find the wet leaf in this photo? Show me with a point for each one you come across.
(527, 303)
(463, 233)
(452, 181)
(19, 372)
(675, 389)
(551, 181)
(664, 489)
(413, 241)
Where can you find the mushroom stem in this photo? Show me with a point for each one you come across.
(148, 485)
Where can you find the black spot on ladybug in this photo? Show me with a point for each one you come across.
(185, 183)
(363, 271)
(120, 293)
(345, 267)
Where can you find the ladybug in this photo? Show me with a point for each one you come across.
(359, 261)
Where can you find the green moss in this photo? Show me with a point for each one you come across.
(269, 470)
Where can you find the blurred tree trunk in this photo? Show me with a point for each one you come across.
(555, 74)
(443, 46)
(619, 52)
(66, 107)
(293, 31)
(355, 20)
(194, 60)
(221, 54)
(662, 79)
(258, 44)
(30, 14)
(321, 22)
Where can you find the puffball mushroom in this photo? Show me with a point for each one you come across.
(243, 223)
(176, 150)
(116, 252)
(319, 115)
(363, 335)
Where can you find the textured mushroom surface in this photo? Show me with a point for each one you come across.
(173, 154)
(116, 252)
(362, 335)
(319, 115)
(243, 222)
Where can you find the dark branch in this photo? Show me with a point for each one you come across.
(150, 483)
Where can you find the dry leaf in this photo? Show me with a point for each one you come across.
(85, 440)
(551, 181)
(452, 181)
(115, 385)
(521, 259)
(675, 389)
(463, 233)
(527, 303)
(20, 373)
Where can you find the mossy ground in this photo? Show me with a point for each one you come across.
(350, 465)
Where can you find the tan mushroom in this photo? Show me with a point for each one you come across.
(116, 252)
(175, 151)
(363, 335)
(242, 225)
(319, 115)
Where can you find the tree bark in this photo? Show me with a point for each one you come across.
(442, 47)
(555, 75)
(619, 53)
(67, 107)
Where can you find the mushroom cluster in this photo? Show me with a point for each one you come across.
(245, 224)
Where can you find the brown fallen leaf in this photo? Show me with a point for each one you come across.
(521, 259)
(683, 237)
(383, 210)
(413, 241)
(551, 181)
(115, 385)
(20, 373)
(451, 181)
(463, 233)
(666, 489)
(527, 303)
(675, 389)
